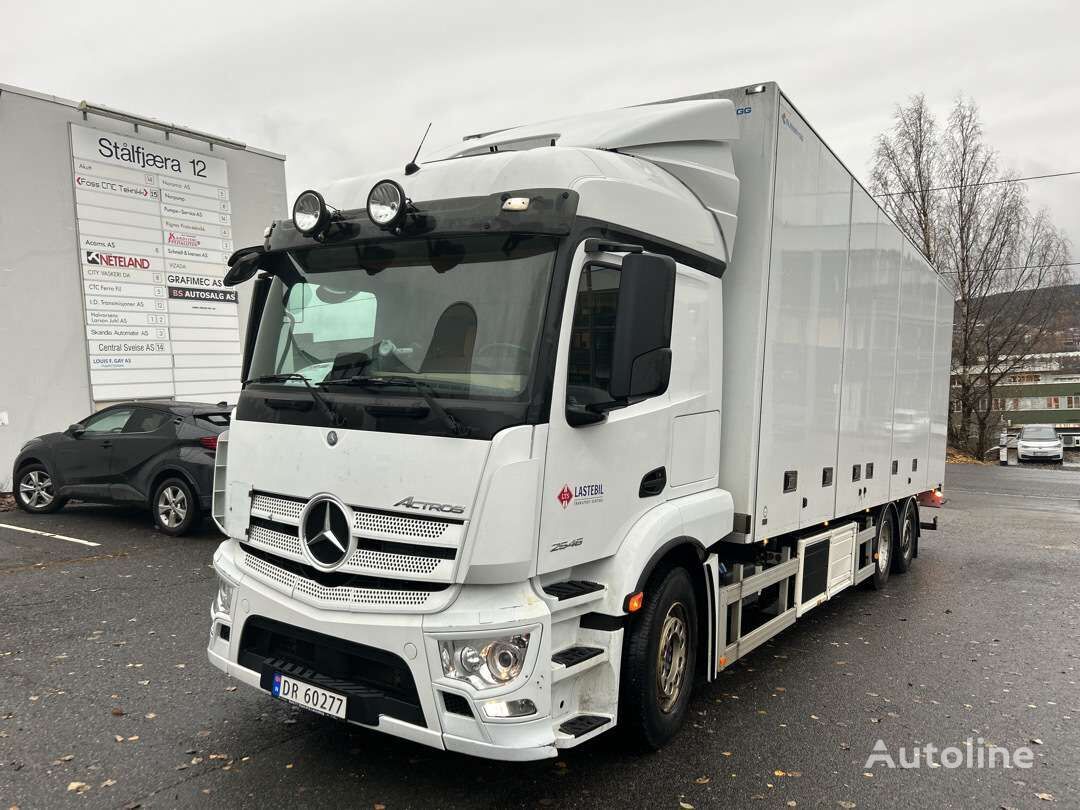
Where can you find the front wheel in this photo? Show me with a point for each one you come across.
(660, 660)
(35, 491)
(175, 507)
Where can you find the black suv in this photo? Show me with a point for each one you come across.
(159, 454)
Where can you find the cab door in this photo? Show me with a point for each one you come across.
(597, 476)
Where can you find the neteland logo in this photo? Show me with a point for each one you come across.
(430, 506)
(115, 260)
(974, 754)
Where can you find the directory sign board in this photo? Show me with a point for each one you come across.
(155, 232)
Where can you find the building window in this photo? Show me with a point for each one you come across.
(1053, 403)
(1073, 402)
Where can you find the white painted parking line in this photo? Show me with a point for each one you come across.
(49, 534)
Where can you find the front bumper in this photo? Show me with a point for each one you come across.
(412, 641)
(1034, 454)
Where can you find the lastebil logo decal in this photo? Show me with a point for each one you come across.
(581, 494)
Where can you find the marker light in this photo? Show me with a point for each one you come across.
(634, 603)
(515, 204)
(386, 204)
(310, 214)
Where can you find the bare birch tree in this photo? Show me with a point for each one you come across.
(947, 192)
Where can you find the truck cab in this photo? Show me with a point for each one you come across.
(474, 487)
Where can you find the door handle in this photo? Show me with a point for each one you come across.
(653, 483)
(106, 443)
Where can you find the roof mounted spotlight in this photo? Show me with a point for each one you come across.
(310, 213)
(387, 204)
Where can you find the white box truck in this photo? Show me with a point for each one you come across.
(538, 434)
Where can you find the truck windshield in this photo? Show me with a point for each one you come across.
(460, 317)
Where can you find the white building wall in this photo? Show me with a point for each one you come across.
(44, 376)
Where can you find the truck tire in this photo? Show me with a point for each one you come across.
(659, 665)
(884, 546)
(905, 543)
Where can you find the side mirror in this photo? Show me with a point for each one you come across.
(641, 356)
(242, 265)
(76, 430)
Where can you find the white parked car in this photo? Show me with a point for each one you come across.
(1039, 443)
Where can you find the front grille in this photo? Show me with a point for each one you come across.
(390, 545)
(337, 589)
(399, 561)
(375, 681)
(365, 521)
(370, 555)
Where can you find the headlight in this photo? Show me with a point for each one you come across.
(310, 214)
(484, 662)
(226, 592)
(386, 204)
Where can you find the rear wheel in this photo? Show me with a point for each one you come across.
(175, 506)
(905, 546)
(884, 544)
(660, 660)
(34, 490)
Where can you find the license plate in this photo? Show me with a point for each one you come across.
(308, 696)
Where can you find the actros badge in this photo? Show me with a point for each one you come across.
(430, 506)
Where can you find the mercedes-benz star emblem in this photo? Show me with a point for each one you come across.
(326, 532)
(331, 438)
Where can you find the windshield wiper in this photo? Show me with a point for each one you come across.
(455, 427)
(336, 419)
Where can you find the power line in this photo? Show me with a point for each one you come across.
(973, 185)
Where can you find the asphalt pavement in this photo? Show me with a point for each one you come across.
(107, 700)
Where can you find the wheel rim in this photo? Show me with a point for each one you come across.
(907, 536)
(172, 507)
(884, 549)
(36, 489)
(671, 656)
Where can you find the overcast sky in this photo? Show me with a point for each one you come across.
(347, 88)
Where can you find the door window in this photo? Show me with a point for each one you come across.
(144, 420)
(111, 421)
(592, 336)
